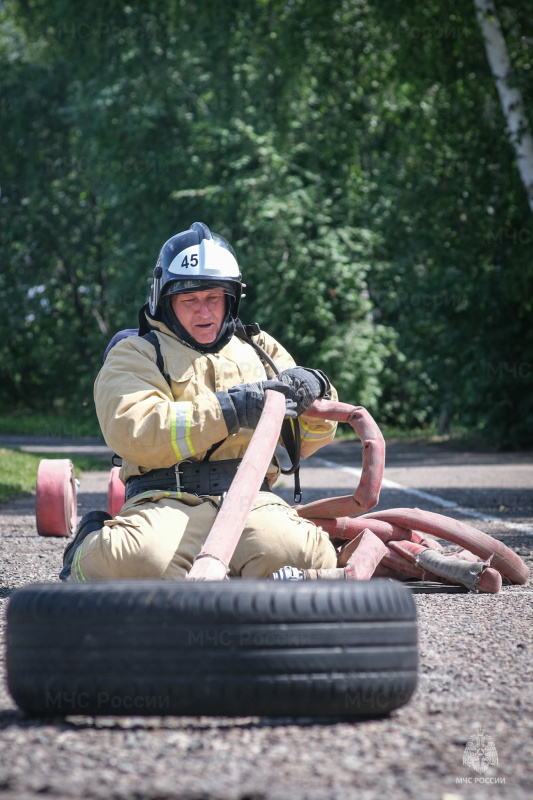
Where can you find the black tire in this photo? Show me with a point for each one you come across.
(228, 648)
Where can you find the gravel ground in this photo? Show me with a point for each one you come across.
(476, 670)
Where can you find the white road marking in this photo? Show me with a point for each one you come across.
(432, 498)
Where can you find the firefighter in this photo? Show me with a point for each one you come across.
(178, 402)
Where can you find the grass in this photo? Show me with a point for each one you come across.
(36, 424)
(457, 437)
(18, 470)
(390, 433)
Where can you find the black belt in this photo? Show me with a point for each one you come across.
(198, 477)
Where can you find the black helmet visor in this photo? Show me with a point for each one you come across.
(198, 285)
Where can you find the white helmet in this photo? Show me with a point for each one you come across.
(193, 261)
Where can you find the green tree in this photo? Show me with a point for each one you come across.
(354, 152)
(162, 116)
(457, 283)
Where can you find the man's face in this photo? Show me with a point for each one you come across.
(201, 313)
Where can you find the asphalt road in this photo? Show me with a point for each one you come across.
(476, 670)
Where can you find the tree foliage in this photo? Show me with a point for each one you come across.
(353, 152)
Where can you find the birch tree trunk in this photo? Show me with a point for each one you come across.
(510, 98)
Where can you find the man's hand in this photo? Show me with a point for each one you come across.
(307, 386)
(242, 405)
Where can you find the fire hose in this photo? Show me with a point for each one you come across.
(390, 543)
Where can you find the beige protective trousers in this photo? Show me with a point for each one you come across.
(159, 535)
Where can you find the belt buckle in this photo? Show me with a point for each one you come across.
(177, 471)
(177, 466)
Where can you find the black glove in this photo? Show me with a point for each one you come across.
(307, 384)
(242, 405)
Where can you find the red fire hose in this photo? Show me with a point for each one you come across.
(391, 543)
(366, 495)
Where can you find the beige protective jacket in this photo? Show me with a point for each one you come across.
(151, 425)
